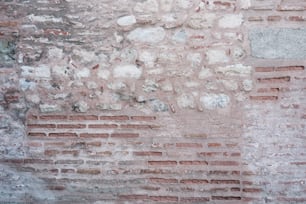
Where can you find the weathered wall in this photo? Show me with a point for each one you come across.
(152, 101)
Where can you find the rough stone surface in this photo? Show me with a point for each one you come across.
(147, 35)
(281, 43)
(214, 101)
(127, 71)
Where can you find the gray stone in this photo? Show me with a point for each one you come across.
(80, 107)
(7, 53)
(109, 106)
(281, 43)
(158, 106)
(186, 101)
(214, 101)
(48, 108)
(126, 20)
(147, 35)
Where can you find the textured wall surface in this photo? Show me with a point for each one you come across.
(152, 101)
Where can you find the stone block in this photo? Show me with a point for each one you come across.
(278, 43)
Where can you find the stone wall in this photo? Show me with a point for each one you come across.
(152, 101)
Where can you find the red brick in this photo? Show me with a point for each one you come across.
(124, 135)
(51, 153)
(89, 171)
(38, 161)
(162, 163)
(274, 18)
(214, 145)
(94, 135)
(164, 198)
(47, 126)
(290, 68)
(194, 181)
(252, 190)
(138, 126)
(189, 145)
(193, 162)
(71, 126)
(224, 163)
(117, 117)
(255, 18)
(53, 117)
(264, 69)
(8, 24)
(63, 134)
(57, 188)
(143, 118)
(297, 18)
(163, 180)
(225, 181)
(103, 126)
(36, 134)
(274, 79)
(69, 162)
(133, 197)
(226, 198)
(194, 199)
(83, 117)
(264, 98)
(149, 153)
(67, 171)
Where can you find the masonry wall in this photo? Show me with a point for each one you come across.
(152, 101)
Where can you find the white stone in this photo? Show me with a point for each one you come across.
(245, 4)
(231, 21)
(235, 70)
(147, 35)
(195, 59)
(126, 21)
(237, 53)
(127, 71)
(91, 85)
(166, 86)
(247, 85)
(116, 86)
(27, 71)
(230, 85)
(109, 106)
(42, 71)
(45, 18)
(205, 73)
(166, 5)
(148, 6)
(180, 36)
(192, 84)
(25, 84)
(48, 108)
(103, 74)
(214, 101)
(55, 53)
(186, 101)
(150, 86)
(148, 58)
(86, 56)
(34, 98)
(215, 56)
(82, 73)
(185, 4)
(200, 21)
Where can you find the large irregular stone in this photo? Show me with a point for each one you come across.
(126, 21)
(127, 71)
(147, 35)
(231, 21)
(148, 6)
(214, 101)
(200, 21)
(235, 70)
(186, 101)
(215, 56)
(49, 108)
(278, 43)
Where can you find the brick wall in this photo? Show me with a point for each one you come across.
(154, 101)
